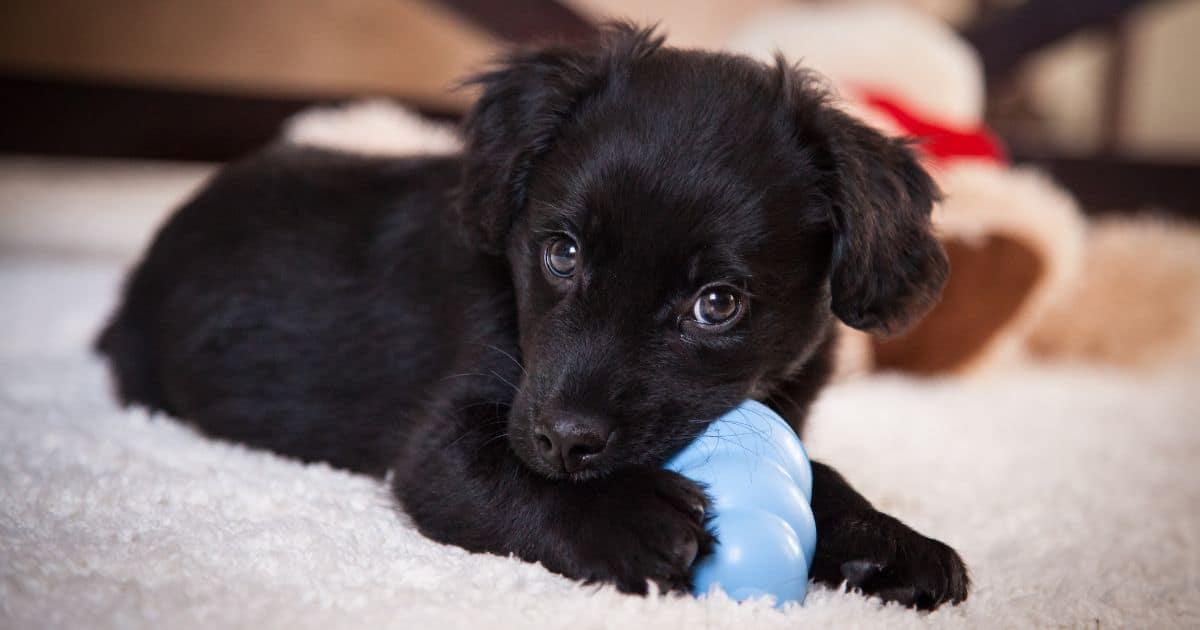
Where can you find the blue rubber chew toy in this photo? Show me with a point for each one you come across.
(759, 478)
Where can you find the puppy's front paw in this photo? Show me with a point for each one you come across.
(639, 526)
(878, 555)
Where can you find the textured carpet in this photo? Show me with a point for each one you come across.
(1073, 493)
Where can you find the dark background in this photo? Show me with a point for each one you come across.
(1096, 92)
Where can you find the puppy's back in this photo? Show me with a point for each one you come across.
(253, 294)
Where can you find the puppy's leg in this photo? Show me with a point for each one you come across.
(856, 543)
(877, 554)
(462, 485)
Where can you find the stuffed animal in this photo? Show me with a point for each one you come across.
(1029, 277)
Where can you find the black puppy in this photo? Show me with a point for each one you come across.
(635, 239)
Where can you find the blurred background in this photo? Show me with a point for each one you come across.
(1065, 134)
(1104, 94)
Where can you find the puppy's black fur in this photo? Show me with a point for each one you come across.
(411, 315)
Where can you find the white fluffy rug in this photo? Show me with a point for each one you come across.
(1072, 493)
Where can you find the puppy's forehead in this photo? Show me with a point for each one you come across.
(687, 131)
(684, 153)
(685, 125)
(700, 100)
(653, 220)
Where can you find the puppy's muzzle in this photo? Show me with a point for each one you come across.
(571, 443)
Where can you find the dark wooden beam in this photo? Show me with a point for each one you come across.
(1115, 183)
(524, 21)
(1006, 38)
(101, 119)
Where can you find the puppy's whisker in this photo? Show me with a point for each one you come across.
(505, 381)
(494, 438)
(509, 356)
(786, 397)
(493, 375)
(495, 421)
(481, 404)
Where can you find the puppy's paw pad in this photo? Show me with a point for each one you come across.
(924, 574)
(889, 560)
(857, 572)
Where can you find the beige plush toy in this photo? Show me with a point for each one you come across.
(1029, 276)
(1137, 302)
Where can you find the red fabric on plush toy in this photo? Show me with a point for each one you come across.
(940, 142)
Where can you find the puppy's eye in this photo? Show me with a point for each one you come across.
(717, 305)
(561, 255)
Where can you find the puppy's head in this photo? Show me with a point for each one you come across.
(681, 227)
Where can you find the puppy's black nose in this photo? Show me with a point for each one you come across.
(571, 444)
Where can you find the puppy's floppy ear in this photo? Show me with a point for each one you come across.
(525, 100)
(887, 268)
